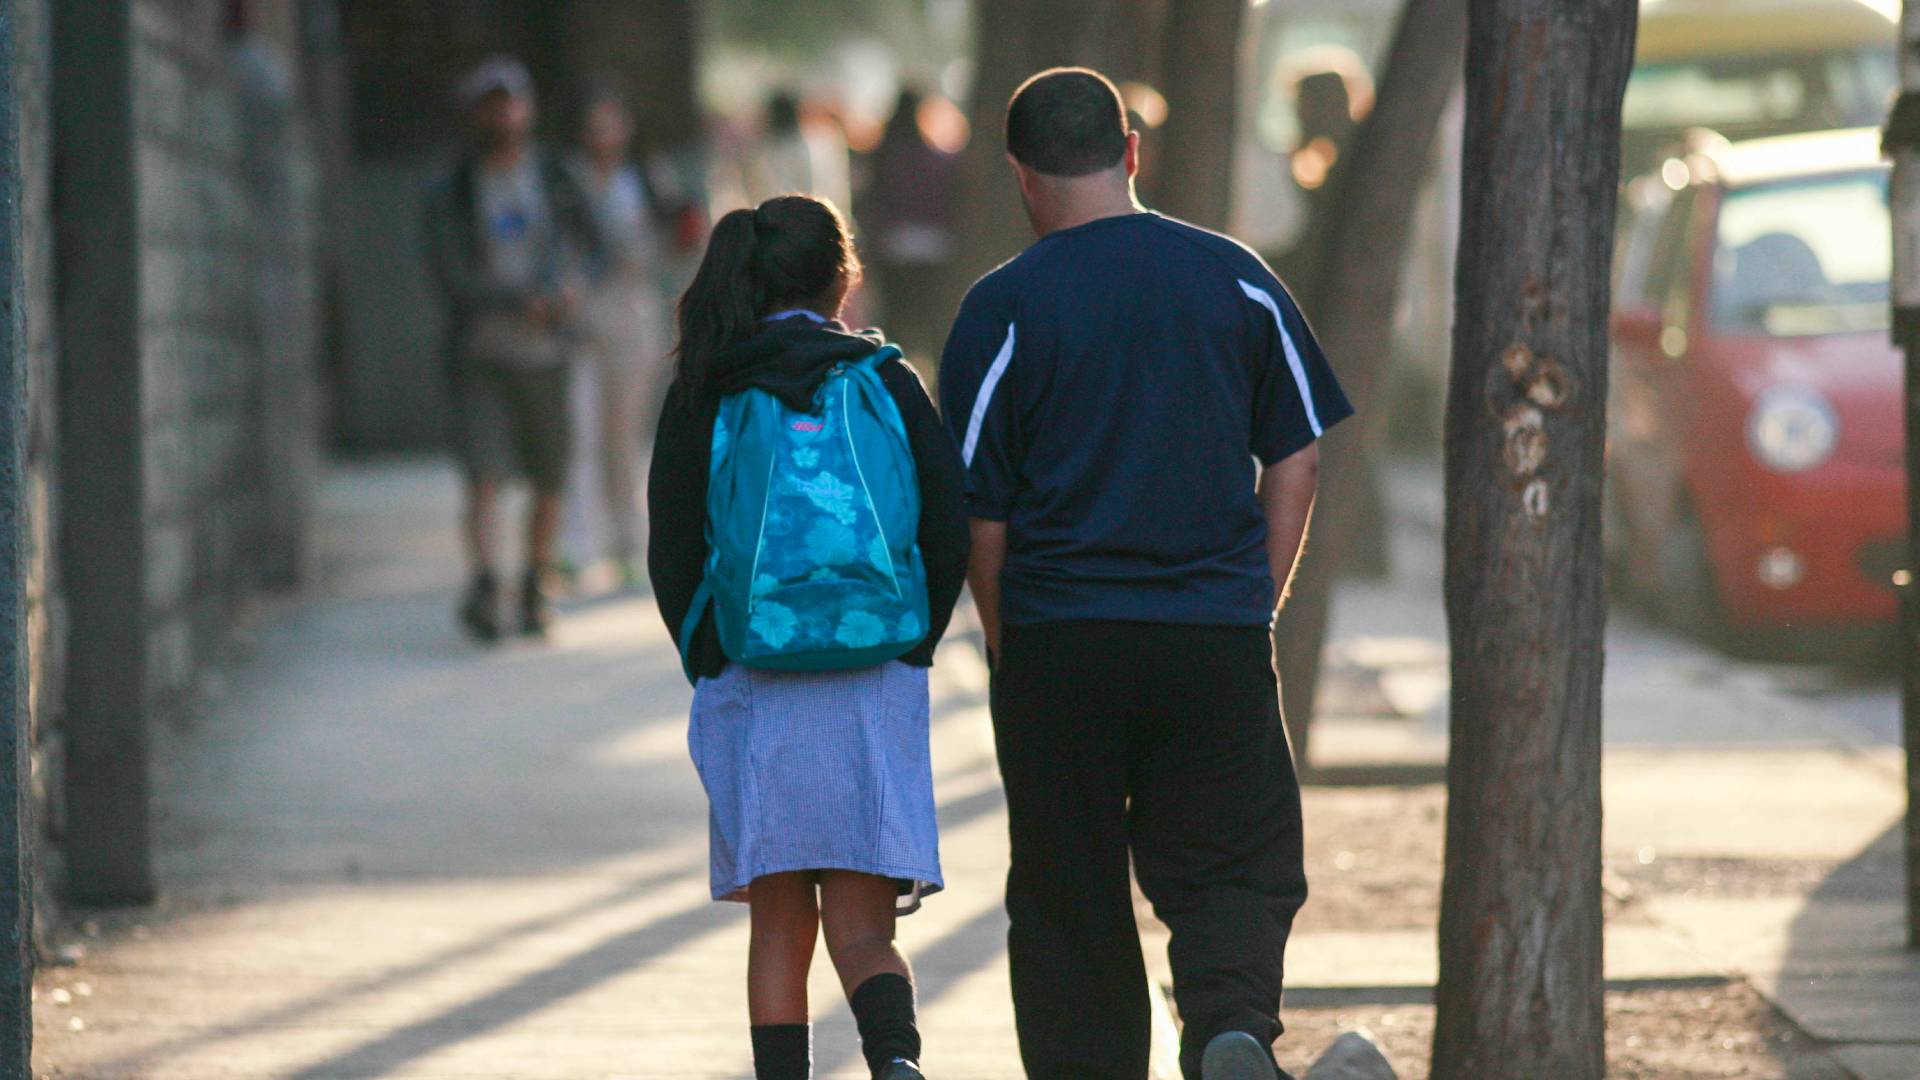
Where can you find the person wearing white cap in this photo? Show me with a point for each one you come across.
(509, 239)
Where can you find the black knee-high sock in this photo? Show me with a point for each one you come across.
(783, 1051)
(883, 1008)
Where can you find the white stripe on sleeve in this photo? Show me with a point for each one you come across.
(1299, 370)
(985, 397)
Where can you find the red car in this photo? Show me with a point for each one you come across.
(1755, 438)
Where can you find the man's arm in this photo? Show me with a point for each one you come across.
(984, 563)
(1286, 498)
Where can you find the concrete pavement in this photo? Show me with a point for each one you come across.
(1752, 811)
(387, 853)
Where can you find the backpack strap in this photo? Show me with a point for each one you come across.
(879, 356)
(702, 597)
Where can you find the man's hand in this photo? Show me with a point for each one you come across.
(1286, 498)
(988, 558)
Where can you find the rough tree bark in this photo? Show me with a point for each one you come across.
(1196, 146)
(1520, 991)
(1351, 301)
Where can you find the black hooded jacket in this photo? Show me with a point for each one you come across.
(790, 358)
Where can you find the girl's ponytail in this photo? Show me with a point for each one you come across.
(724, 303)
(793, 251)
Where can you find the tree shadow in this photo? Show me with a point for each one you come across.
(1847, 975)
(527, 995)
(423, 968)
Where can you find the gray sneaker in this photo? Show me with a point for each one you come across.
(1236, 1055)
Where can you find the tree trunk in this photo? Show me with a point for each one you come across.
(1351, 301)
(1196, 146)
(1520, 991)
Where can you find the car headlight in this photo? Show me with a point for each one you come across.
(1792, 429)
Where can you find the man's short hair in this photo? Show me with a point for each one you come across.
(1067, 122)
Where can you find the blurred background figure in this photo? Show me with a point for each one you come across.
(802, 148)
(1283, 193)
(504, 234)
(908, 211)
(624, 339)
(780, 161)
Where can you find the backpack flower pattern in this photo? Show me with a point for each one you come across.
(815, 562)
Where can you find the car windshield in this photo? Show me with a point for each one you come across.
(1756, 95)
(1803, 257)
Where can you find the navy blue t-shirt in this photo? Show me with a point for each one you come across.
(1110, 390)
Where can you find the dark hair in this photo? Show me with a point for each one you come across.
(597, 89)
(1067, 122)
(783, 113)
(904, 124)
(794, 251)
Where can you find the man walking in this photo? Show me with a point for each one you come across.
(1111, 389)
(506, 235)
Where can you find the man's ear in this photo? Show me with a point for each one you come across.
(1021, 176)
(1133, 154)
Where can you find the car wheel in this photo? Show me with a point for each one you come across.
(1688, 600)
(1616, 547)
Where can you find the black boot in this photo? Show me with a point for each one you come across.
(480, 609)
(536, 607)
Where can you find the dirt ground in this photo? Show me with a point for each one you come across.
(1383, 872)
(1703, 1033)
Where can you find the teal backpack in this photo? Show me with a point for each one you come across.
(813, 522)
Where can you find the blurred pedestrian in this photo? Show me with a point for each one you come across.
(909, 220)
(1107, 389)
(806, 559)
(507, 234)
(780, 162)
(802, 150)
(624, 370)
(1282, 204)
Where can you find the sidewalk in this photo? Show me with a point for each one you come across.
(387, 853)
(1751, 841)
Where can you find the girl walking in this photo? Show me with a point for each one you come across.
(791, 458)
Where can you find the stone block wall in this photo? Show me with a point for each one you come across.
(224, 143)
(229, 321)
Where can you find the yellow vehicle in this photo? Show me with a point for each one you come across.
(1752, 68)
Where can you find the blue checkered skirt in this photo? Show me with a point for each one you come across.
(817, 771)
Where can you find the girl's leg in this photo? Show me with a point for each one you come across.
(857, 912)
(786, 921)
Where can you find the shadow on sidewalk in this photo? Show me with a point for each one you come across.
(1847, 978)
(414, 971)
(530, 994)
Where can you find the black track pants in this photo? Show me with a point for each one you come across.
(1163, 742)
